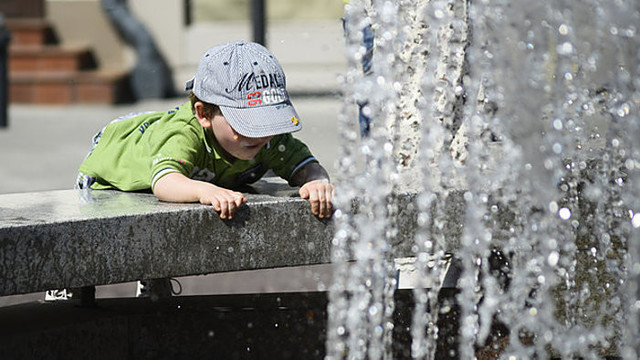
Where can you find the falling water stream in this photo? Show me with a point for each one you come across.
(529, 111)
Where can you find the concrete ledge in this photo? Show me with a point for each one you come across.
(72, 238)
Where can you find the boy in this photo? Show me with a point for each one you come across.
(235, 127)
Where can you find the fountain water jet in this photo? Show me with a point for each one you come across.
(529, 112)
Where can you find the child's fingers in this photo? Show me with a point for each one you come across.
(239, 199)
(325, 201)
(234, 200)
(316, 198)
(320, 197)
(224, 208)
(313, 200)
(304, 193)
(322, 203)
(216, 205)
(328, 193)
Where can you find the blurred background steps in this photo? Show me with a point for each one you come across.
(30, 31)
(42, 71)
(24, 58)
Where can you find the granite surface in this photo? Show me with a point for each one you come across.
(75, 238)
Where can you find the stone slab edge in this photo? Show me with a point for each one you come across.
(72, 238)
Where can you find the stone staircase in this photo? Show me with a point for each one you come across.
(44, 71)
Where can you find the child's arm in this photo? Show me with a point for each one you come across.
(315, 187)
(175, 187)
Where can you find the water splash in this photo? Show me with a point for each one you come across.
(528, 113)
(361, 297)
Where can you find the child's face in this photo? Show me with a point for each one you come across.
(238, 146)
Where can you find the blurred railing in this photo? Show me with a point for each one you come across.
(258, 21)
(5, 38)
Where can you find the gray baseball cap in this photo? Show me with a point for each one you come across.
(248, 84)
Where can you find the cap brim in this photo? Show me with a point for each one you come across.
(263, 121)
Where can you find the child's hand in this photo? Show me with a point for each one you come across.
(224, 201)
(320, 195)
(176, 187)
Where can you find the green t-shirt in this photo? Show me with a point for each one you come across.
(132, 154)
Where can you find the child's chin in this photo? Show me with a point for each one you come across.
(245, 156)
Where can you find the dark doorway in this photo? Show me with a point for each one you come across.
(22, 8)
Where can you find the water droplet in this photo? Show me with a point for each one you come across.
(548, 336)
(631, 32)
(557, 124)
(553, 207)
(548, 164)
(557, 148)
(565, 49)
(366, 110)
(635, 220)
(563, 29)
(282, 148)
(532, 312)
(564, 213)
(623, 110)
(553, 258)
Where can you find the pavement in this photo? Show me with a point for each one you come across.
(42, 146)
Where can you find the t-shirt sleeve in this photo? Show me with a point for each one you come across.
(286, 155)
(174, 150)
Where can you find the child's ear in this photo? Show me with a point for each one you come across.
(204, 121)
